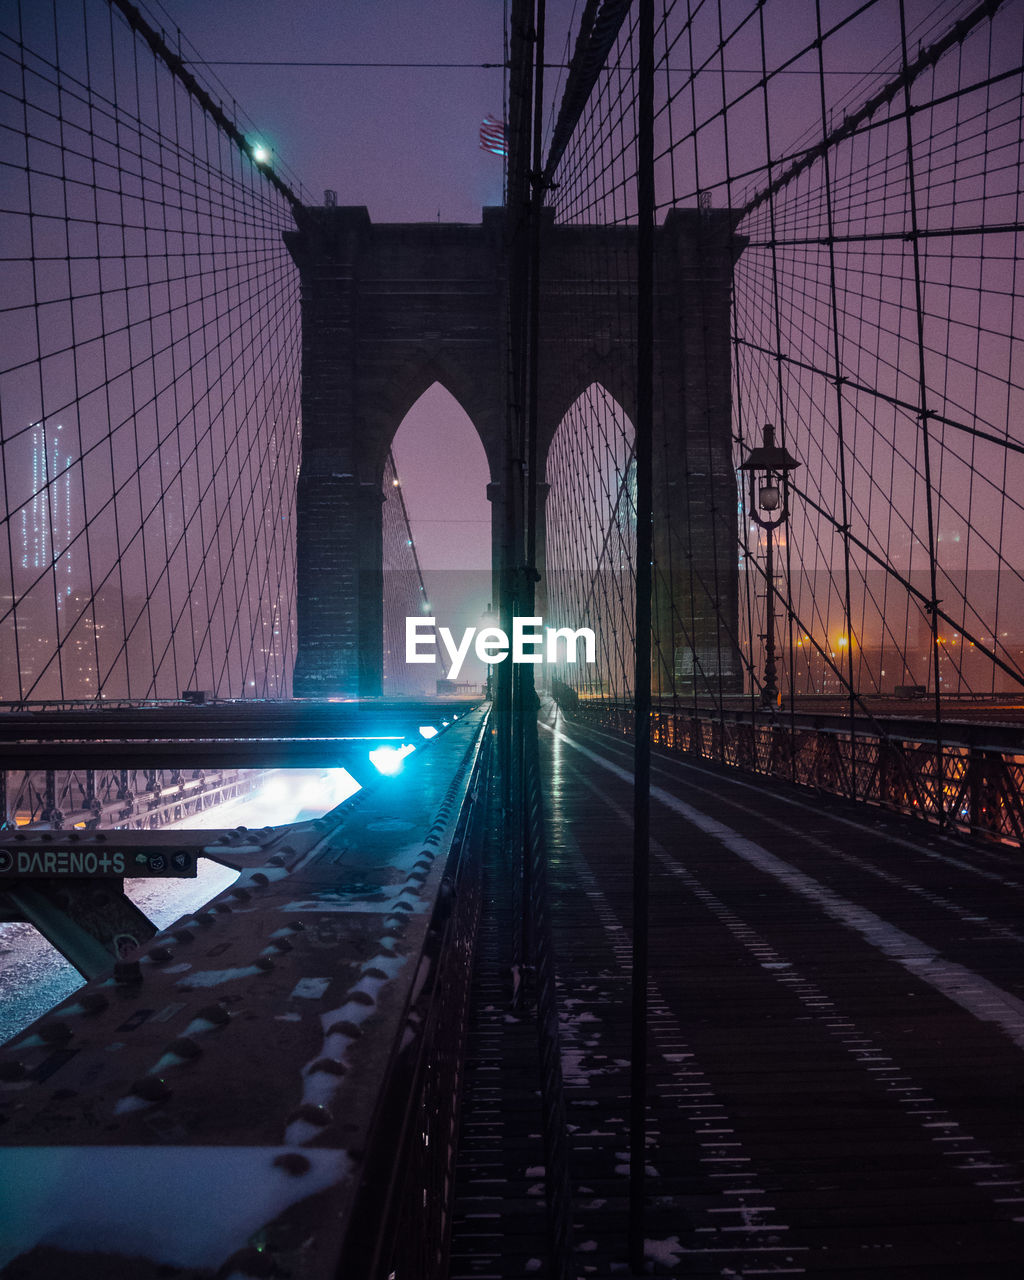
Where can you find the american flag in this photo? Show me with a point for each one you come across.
(493, 137)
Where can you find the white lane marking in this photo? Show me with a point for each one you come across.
(706, 1117)
(977, 995)
(976, 1160)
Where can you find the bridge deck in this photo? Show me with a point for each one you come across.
(836, 1038)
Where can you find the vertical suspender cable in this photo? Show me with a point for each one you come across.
(509, 684)
(557, 1183)
(642, 674)
(923, 415)
(837, 357)
(536, 205)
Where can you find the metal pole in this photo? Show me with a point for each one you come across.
(770, 692)
(642, 674)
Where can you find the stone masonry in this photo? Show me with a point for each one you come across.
(390, 309)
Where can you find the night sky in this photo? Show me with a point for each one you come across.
(402, 141)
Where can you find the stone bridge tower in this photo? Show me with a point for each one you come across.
(388, 309)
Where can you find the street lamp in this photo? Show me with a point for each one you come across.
(768, 466)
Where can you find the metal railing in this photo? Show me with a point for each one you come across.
(402, 1226)
(134, 799)
(968, 779)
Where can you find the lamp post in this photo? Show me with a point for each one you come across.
(768, 465)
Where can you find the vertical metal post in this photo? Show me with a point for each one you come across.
(770, 692)
(510, 681)
(642, 674)
(52, 814)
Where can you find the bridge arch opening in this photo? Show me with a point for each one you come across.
(442, 470)
(590, 538)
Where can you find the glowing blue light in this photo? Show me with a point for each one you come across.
(260, 154)
(388, 760)
(427, 731)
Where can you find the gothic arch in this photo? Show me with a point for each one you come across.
(411, 384)
(390, 309)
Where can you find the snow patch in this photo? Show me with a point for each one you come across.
(102, 1199)
(665, 1252)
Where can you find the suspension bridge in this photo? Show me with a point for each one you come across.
(699, 958)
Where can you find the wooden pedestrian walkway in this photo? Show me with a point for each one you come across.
(836, 1039)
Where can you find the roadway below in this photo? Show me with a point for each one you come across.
(34, 976)
(836, 1037)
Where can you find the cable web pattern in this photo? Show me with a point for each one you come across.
(404, 593)
(876, 320)
(864, 164)
(149, 383)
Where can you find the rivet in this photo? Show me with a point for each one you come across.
(312, 1113)
(292, 1162)
(329, 1067)
(93, 1002)
(374, 973)
(345, 1028)
(258, 878)
(11, 1071)
(151, 1088)
(281, 944)
(263, 963)
(184, 1047)
(160, 955)
(215, 1013)
(360, 997)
